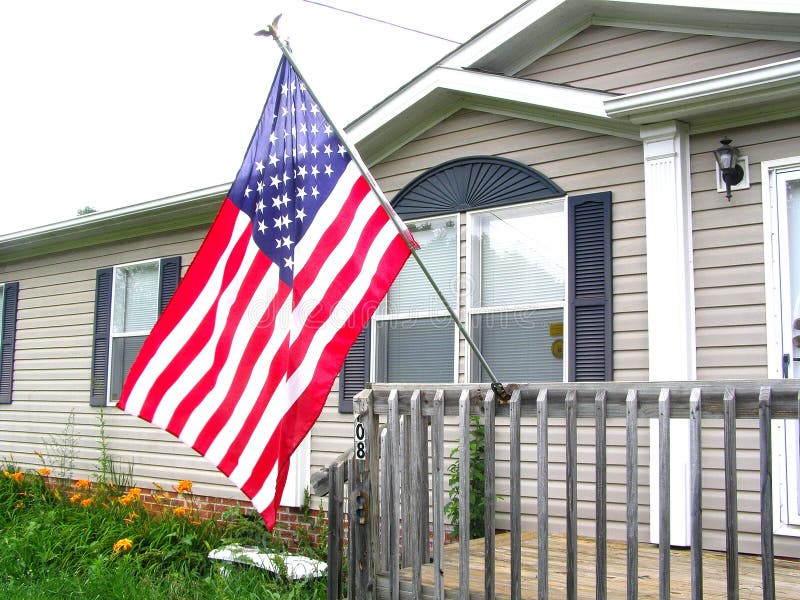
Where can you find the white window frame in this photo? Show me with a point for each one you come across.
(382, 316)
(473, 282)
(785, 447)
(111, 335)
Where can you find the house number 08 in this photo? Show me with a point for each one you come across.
(361, 445)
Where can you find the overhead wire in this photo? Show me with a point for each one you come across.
(383, 22)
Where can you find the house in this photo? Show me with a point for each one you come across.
(558, 170)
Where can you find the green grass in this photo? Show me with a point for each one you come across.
(52, 546)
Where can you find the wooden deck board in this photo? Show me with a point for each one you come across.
(787, 571)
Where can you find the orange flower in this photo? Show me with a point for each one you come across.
(184, 485)
(179, 510)
(44, 471)
(122, 545)
(82, 483)
(133, 494)
(75, 498)
(87, 501)
(130, 518)
(18, 476)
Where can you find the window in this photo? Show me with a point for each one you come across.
(8, 333)
(134, 310)
(128, 300)
(517, 259)
(537, 264)
(413, 315)
(782, 247)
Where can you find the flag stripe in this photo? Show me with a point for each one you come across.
(317, 374)
(300, 379)
(240, 329)
(196, 356)
(229, 225)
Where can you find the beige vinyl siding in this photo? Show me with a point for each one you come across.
(728, 243)
(621, 60)
(730, 312)
(52, 371)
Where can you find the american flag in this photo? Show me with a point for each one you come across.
(240, 363)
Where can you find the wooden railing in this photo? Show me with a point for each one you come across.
(389, 524)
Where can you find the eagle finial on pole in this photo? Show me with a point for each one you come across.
(271, 30)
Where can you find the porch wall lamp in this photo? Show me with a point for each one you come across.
(727, 157)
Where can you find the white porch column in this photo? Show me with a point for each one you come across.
(670, 303)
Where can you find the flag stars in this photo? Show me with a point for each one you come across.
(328, 150)
(301, 171)
(277, 223)
(314, 150)
(300, 214)
(273, 159)
(260, 206)
(247, 192)
(261, 227)
(275, 180)
(260, 167)
(287, 242)
(272, 137)
(301, 193)
(341, 151)
(314, 171)
(288, 262)
(314, 110)
(328, 170)
(276, 202)
(260, 186)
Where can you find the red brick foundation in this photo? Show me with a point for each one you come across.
(295, 527)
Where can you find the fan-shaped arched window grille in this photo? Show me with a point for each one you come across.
(472, 183)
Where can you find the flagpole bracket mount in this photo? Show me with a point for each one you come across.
(500, 391)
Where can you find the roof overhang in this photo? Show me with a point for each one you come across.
(185, 211)
(756, 94)
(445, 90)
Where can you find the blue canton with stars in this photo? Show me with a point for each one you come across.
(292, 164)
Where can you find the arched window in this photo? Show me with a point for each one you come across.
(533, 264)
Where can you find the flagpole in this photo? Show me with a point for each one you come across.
(497, 386)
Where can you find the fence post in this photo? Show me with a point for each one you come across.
(363, 504)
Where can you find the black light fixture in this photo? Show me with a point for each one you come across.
(727, 158)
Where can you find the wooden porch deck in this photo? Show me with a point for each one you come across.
(787, 572)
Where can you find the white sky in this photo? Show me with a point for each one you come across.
(107, 104)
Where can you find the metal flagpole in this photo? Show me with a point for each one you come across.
(497, 386)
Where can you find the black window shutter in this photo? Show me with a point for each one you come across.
(355, 372)
(102, 332)
(170, 277)
(589, 305)
(7, 343)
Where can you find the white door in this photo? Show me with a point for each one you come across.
(783, 230)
